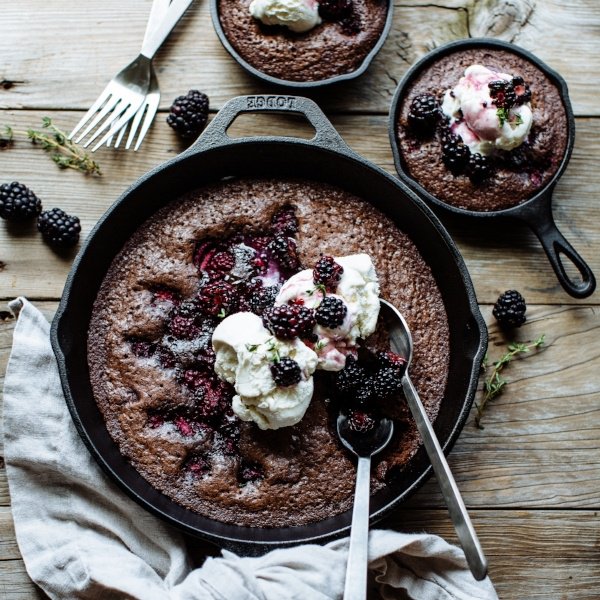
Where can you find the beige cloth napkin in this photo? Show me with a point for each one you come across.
(81, 537)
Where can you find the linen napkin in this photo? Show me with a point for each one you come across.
(81, 537)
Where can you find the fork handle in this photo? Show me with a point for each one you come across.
(158, 12)
(155, 39)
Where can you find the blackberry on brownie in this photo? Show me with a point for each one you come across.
(289, 321)
(331, 312)
(286, 372)
(328, 273)
(424, 113)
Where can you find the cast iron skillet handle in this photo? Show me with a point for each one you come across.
(216, 133)
(557, 248)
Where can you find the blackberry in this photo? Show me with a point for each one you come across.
(333, 10)
(351, 377)
(212, 401)
(424, 113)
(142, 349)
(166, 358)
(389, 359)
(521, 89)
(183, 327)
(328, 273)
(364, 392)
(518, 159)
(387, 382)
(263, 298)
(455, 154)
(479, 168)
(285, 221)
(221, 262)
(217, 299)
(58, 228)
(189, 309)
(286, 372)
(360, 421)
(502, 94)
(197, 465)
(510, 309)
(18, 202)
(249, 471)
(184, 425)
(230, 426)
(283, 248)
(287, 322)
(188, 114)
(331, 312)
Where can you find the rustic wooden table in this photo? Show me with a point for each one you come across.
(531, 478)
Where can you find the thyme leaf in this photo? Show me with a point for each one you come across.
(319, 287)
(494, 385)
(274, 350)
(320, 345)
(7, 138)
(502, 114)
(64, 152)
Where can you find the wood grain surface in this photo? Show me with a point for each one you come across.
(531, 478)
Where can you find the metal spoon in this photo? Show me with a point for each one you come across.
(365, 445)
(401, 343)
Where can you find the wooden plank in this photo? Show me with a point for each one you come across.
(105, 36)
(15, 583)
(532, 554)
(540, 445)
(8, 544)
(498, 258)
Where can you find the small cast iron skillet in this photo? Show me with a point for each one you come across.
(536, 212)
(214, 11)
(216, 157)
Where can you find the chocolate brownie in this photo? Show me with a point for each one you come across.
(146, 370)
(327, 50)
(517, 175)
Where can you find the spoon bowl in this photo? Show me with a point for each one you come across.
(364, 443)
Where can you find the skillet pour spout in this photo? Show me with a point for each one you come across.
(215, 157)
(536, 212)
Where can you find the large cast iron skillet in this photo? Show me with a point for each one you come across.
(213, 157)
(536, 212)
(214, 12)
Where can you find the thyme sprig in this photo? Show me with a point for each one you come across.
(64, 152)
(494, 385)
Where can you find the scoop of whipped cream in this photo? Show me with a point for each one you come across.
(245, 351)
(359, 290)
(297, 15)
(482, 128)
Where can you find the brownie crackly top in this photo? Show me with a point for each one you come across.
(328, 50)
(516, 175)
(151, 361)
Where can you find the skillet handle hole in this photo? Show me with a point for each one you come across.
(257, 124)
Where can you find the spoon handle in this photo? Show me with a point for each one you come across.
(456, 507)
(358, 554)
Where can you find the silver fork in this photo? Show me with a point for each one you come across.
(125, 93)
(149, 107)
